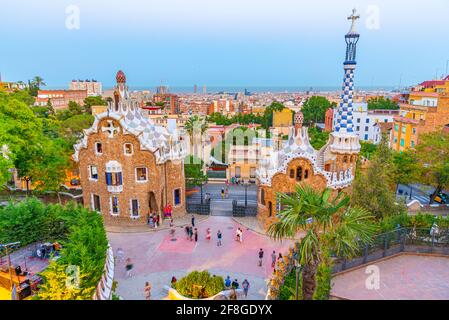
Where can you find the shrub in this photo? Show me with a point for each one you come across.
(199, 285)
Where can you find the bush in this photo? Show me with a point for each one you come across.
(199, 285)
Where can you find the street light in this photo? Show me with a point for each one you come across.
(298, 270)
(246, 192)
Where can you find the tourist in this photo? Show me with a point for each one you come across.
(241, 235)
(173, 281)
(227, 282)
(158, 220)
(280, 257)
(237, 234)
(147, 290)
(196, 235)
(193, 220)
(120, 255)
(191, 233)
(273, 259)
(208, 234)
(219, 235)
(235, 284)
(129, 267)
(187, 232)
(222, 193)
(260, 257)
(245, 285)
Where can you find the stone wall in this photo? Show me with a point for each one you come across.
(162, 179)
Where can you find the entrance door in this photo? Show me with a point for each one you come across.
(135, 208)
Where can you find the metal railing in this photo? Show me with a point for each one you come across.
(414, 240)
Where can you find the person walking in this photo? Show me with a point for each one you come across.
(193, 220)
(219, 236)
(158, 220)
(208, 234)
(235, 284)
(187, 231)
(120, 255)
(222, 193)
(147, 290)
(191, 233)
(196, 235)
(260, 257)
(280, 256)
(237, 234)
(128, 267)
(241, 235)
(227, 282)
(173, 281)
(273, 259)
(245, 286)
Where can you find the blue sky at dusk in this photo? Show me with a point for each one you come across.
(223, 42)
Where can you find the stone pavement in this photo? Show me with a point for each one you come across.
(178, 222)
(402, 277)
(157, 258)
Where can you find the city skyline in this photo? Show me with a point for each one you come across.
(282, 44)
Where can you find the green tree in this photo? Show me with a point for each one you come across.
(93, 101)
(432, 154)
(380, 103)
(318, 137)
(314, 109)
(367, 149)
(193, 171)
(373, 189)
(405, 168)
(330, 225)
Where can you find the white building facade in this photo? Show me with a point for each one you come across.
(366, 121)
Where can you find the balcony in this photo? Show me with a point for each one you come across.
(115, 189)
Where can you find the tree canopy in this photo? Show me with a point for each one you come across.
(380, 103)
(314, 109)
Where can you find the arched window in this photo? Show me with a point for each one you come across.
(299, 174)
(345, 159)
(292, 173)
(306, 174)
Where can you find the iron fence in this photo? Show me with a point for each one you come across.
(199, 208)
(242, 210)
(397, 241)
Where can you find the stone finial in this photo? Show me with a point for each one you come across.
(299, 119)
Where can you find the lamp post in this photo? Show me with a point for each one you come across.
(7, 247)
(298, 270)
(246, 193)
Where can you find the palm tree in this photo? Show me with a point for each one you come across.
(38, 82)
(329, 225)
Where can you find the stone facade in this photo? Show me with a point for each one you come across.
(129, 167)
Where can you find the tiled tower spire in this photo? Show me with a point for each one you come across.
(344, 115)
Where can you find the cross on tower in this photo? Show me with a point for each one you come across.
(111, 129)
(354, 17)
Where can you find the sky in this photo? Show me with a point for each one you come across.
(222, 42)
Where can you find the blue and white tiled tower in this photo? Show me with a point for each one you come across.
(345, 139)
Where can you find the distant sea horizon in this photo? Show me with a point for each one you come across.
(251, 89)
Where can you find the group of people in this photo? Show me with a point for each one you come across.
(235, 285)
(153, 220)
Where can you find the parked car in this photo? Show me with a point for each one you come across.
(442, 198)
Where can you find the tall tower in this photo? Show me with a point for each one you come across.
(345, 142)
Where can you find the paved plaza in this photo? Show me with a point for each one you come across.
(157, 258)
(403, 277)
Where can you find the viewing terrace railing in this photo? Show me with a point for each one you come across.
(397, 241)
